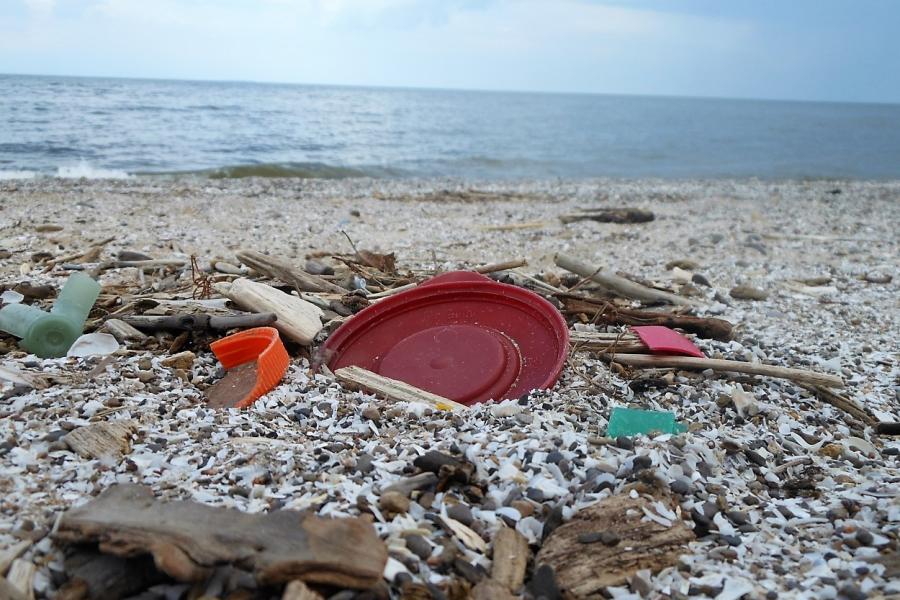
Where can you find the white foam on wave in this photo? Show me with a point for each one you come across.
(81, 170)
(86, 171)
(17, 175)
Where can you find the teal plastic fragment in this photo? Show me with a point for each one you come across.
(632, 421)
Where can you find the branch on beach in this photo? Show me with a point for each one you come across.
(619, 285)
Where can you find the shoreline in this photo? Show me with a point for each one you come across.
(777, 526)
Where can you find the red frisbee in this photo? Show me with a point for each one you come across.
(460, 335)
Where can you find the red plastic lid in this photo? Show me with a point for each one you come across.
(460, 335)
(662, 340)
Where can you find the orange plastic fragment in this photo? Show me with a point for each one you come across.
(261, 345)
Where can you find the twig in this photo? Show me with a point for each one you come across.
(501, 266)
(734, 366)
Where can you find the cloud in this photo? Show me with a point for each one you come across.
(40, 7)
(644, 47)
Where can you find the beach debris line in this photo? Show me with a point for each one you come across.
(187, 540)
(609, 215)
(51, 334)
(632, 421)
(633, 532)
(255, 361)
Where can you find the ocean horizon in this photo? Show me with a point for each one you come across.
(63, 126)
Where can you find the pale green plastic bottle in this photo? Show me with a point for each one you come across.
(51, 334)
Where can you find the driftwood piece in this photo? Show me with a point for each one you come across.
(619, 285)
(624, 343)
(98, 440)
(11, 553)
(297, 590)
(105, 577)
(21, 577)
(488, 589)
(610, 215)
(187, 539)
(298, 319)
(393, 389)
(19, 377)
(704, 327)
(501, 266)
(287, 272)
(583, 569)
(123, 331)
(199, 321)
(510, 559)
(734, 366)
(887, 428)
(8, 592)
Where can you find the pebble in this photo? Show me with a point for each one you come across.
(419, 546)
(864, 537)
(461, 512)
(393, 502)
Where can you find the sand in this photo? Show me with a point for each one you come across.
(804, 479)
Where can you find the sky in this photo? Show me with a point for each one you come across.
(831, 50)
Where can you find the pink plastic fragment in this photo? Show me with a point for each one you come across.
(662, 340)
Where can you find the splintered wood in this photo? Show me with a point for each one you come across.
(188, 540)
(583, 569)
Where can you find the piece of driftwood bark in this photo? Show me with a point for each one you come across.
(297, 319)
(297, 590)
(734, 366)
(11, 553)
(287, 272)
(188, 539)
(619, 285)
(610, 215)
(199, 321)
(98, 440)
(8, 592)
(510, 559)
(393, 389)
(21, 577)
(583, 569)
(605, 312)
(123, 331)
(488, 589)
(98, 576)
(501, 266)
(19, 377)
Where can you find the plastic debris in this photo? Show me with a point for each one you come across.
(459, 335)
(632, 421)
(51, 334)
(256, 361)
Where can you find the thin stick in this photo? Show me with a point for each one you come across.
(734, 366)
(841, 403)
(393, 389)
(501, 266)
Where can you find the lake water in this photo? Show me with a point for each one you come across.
(59, 126)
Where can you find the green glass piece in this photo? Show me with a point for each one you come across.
(632, 421)
(50, 335)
